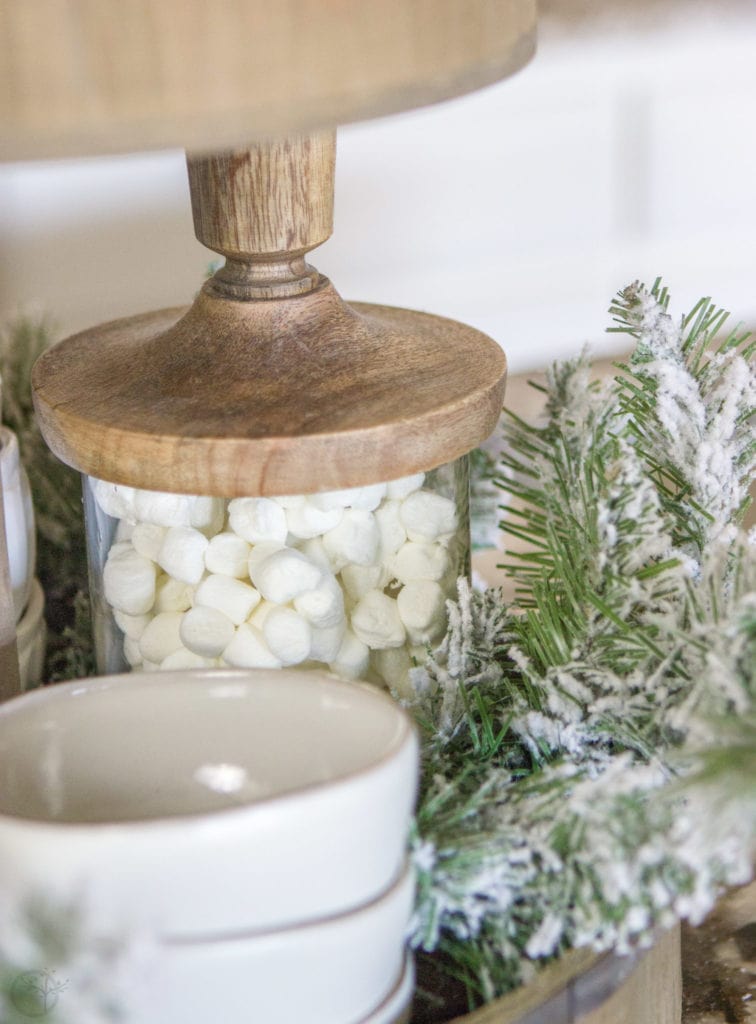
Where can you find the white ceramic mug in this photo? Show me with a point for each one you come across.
(19, 520)
(31, 638)
(206, 804)
(336, 971)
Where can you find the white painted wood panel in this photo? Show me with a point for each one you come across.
(622, 151)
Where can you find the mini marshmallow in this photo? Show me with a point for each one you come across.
(249, 650)
(358, 579)
(162, 637)
(307, 520)
(184, 659)
(368, 498)
(259, 552)
(415, 561)
(394, 667)
(129, 581)
(399, 489)
(131, 652)
(162, 508)
(314, 550)
(227, 554)
(352, 658)
(147, 539)
(285, 575)
(206, 631)
(326, 642)
(150, 666)
(260, 614)
(124, 531)
(354, 540)
(131, 626)
(324, 606)
(391, 529)
(288, 636)
(363, 498)
(230, 596)
(172, 595)
(258, 520)
(115, 500)
(375, 621)
(422, 609)
(427, 516)
(120, 547)
(290, 500)
(207, 515)
(182, 554)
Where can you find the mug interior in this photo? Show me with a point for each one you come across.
(156, 745)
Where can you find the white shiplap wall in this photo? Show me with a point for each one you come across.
(618, 153)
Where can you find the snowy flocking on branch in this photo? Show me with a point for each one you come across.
(558, 729)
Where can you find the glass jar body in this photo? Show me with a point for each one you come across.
(355, 580)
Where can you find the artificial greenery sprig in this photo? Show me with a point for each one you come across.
(56, 964)
(559, 728)
(689, 395)
(58, 513)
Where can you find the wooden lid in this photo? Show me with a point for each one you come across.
(101, 76)
(269, 384)
(293, 395)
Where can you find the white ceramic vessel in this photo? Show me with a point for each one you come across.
(396, 1007)
(19, 520)
(342, 970)
(203, 805)
(31, 638)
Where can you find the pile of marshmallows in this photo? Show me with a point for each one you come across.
(354, 579)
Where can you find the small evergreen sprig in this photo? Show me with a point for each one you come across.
(55, 964)
(571, 737)
(690, 400)
(56, 490)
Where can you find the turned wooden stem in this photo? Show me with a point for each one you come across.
(263, 208)
(270, 384)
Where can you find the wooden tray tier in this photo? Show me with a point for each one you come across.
(584, 988)
(99, 76)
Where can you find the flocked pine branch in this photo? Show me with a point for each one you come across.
(56, 489)
(54, 964)
(691, 400)
(570, 754)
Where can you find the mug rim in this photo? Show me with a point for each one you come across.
(405, 736)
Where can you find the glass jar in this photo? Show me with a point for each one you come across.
(355, 580)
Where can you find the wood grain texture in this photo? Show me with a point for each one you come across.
(570, 991)
(272, 397)
(95, 76)
(263, 208)
(273, 198)
(551, 981)
(651, 995)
